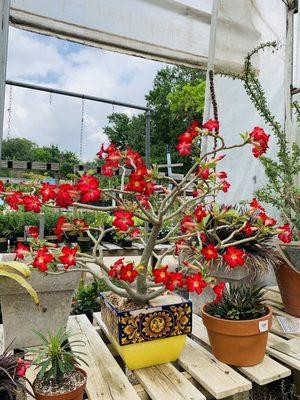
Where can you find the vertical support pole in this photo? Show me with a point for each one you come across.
(169, 161)
(148, 139)
(4, 16)
(210, 66)
(42, 226)
(296, 377)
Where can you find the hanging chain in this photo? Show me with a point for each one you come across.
(9, 119)
(50, 98)
(81, 129)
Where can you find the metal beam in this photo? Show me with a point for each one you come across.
(4, 15)
(148, 139)
(75, 94)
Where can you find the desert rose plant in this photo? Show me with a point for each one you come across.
(211, 234)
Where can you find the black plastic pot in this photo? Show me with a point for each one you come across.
(3, 245)
(84, 243)
(51, 239)
(71, 237)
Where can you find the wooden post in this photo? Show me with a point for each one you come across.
(296, 376)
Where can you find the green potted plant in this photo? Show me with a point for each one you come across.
(59, 375)
(238, 325)
(12, 375)
(282, 189)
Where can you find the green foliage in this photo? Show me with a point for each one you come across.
(177, 98)
(54, 357)
(86, 298)
(25, 150)
(239, 303)
(282, 190)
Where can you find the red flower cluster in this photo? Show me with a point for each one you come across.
(123, 220)
(48, 192)
(42, 259)
(88, 187)
(285, 234)
(68, 256)
(219, 289)
(211, 125)
(185, 140)
(33, 231)
(210, 252)
(234, 257)
(268, 221)
(21, 251)
(22, 367)
(260, 140)
(122, 271)
(58, 228)
(173, 280)
(2, 188)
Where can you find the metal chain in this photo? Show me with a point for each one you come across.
(9, 110)
(50, 98)
(81, 129)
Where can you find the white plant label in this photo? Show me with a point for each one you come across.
(263, 326)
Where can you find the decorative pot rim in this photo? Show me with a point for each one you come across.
(269, 314)
(82, 371)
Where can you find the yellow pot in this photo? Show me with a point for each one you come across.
(154, 334)
(154, 352)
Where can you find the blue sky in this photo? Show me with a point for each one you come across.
(48, 61)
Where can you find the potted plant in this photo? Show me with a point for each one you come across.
(12, 375)
(75, 232)
(238, 325)
(148, 323)
(59, 376)
(282, 188)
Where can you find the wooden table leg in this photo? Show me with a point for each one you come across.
(296, 376)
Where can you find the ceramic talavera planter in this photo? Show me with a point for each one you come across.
(148, 336)
(21, 315)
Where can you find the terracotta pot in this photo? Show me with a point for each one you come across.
(74, 395)
(289, 285)
(238, 343)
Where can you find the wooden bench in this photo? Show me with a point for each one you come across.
(197, 375)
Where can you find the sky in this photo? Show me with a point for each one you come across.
(56, 119)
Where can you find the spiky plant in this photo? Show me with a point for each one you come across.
(239, 303)
(54, 357)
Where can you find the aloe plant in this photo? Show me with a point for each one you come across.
(18, 272)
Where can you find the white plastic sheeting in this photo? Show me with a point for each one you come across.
(174, 31)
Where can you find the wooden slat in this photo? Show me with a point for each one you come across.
(288, 360)
(267, 371)
(1, 339)
(106, 380)
(165, 382)
(217, 378)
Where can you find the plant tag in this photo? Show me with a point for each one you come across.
(263, 326)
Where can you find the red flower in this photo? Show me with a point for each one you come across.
(234, 257)
(174, 280)
(123, 219)
(80, 224)
(113, 155)
(200, 213)
(101, 151)
(107, 169)
(22, 367)
(32, 203)
(161, 275)
(195, 283)
(58, 229)
(2, 189)
(248, 229)
(218, 289)
(203, 173)
(88, 187)
(285, 235)
(128, 273)
(178, 246)
(225, 186)
(66, 195)
(187, 224)
(133, 159)
(268, 221)
(221, 174)
(115, 269)
(255, 204)
(144, 200)
(260, 140)
(184, 148)
(21, 251)
(33, 231)
(210, 252)
(14, 200)
(42, 259)
(211, 124)
(68, 256)
(48, 192)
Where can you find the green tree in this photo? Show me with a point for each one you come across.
(177, 98)
(19, 149)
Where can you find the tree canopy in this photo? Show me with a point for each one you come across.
(177, 98)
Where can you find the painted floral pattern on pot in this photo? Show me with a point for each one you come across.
(148, 323)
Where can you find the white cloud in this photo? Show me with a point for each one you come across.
(49, 61)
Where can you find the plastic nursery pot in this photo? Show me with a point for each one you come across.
(3, 245)
(238, 343)
(71, 237)
(51, 239)
(84, 243)
(289, 285)
(74, 395)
